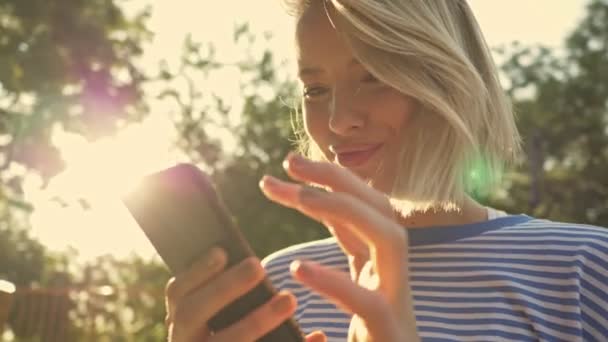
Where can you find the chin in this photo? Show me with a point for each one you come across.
(362, 173)
(368, 178)
(378, 182)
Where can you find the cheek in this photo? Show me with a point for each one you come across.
(394, 115)
(406, 108)
(393, 111)
(312, 122)
(317, 126)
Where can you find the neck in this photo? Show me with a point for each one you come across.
(469, 211)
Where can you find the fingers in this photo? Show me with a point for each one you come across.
(260, 321)
(338, 287)
(339, 179)
(316, 336)
(387, 240)
(336, 178)
(381, 318)
(192, 311)
(354, 247)
(208, 266)
(351, 209)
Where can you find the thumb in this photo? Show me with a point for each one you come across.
(317, 336)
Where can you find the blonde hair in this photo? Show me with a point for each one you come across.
(434, 52)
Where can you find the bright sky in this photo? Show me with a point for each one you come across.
(99, 172)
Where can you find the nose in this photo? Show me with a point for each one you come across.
(345, 119)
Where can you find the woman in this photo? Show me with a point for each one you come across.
(404, 116)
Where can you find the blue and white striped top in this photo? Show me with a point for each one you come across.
(513, 278)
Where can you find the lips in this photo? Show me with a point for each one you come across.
(353, 156)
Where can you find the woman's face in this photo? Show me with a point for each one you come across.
(354, 119)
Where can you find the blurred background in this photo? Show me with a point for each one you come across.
(96, 93)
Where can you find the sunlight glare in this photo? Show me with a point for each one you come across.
(7, 287)
(107, 167)
(100, 173)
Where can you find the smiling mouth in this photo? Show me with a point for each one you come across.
(356, 158)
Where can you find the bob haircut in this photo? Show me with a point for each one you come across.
(463, 132)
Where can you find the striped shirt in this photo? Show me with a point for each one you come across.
(513, 278)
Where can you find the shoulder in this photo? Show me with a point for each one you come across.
(585, 245)
(589, 247)
(326, 252)
(583, 239)
(574, 231)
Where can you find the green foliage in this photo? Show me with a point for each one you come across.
(263, 137)
(22, 258)
(103, 300)
(67, 63)
(123, 300)
(72, 64)
(64, 64)
(562, 105)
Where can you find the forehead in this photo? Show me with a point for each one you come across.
(317, 41)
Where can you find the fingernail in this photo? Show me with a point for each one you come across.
(293, 161)
(251, 269)
(263, 182)
(282, 304)
(300, 268)
(214, 258)
(286, 163)
(269, 182)
(278, 189)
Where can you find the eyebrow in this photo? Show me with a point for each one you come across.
(313, 71)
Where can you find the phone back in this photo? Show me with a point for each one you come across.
(183, 216)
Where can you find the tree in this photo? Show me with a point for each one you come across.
(66, 64)
(561, 101)
(562, 106)
(263, 136)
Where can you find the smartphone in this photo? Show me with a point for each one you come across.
(183, 216)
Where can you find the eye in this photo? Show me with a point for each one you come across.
(314, 92)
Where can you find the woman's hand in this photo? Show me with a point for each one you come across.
(377, 292)
(196, 295)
